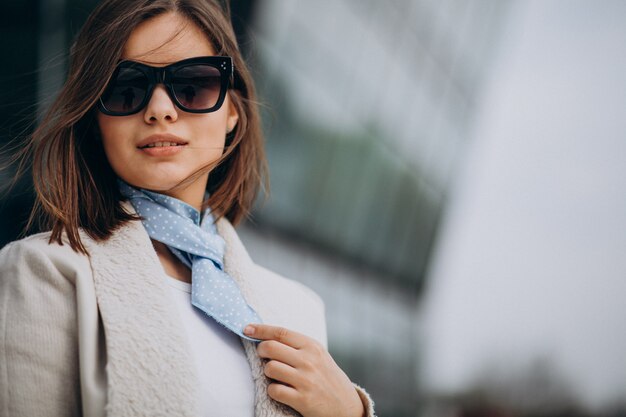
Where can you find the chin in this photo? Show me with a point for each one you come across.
(157, 186)
(156, 181)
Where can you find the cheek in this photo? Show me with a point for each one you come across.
(112, 134)
(105, 124)
(110, 129)
(211, 131)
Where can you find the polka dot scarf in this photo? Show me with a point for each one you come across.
(194, 240)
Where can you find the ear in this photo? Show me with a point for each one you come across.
(233, 116)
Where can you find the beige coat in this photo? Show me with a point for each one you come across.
(98, 336)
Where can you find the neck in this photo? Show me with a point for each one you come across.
(171, 264)
(192, 194)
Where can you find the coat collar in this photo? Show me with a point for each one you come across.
(149, 366)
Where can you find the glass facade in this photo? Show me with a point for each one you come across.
(371, 103)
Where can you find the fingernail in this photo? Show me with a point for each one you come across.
(249, 330)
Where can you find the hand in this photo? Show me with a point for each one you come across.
(305, 376)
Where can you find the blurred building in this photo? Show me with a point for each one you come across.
(367, 105)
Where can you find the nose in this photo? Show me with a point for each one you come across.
(160, 107)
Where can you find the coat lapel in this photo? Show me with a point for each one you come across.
(149, 366)
(148, 360)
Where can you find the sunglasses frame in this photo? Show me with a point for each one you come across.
(163, 75)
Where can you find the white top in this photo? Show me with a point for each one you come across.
(226, 386)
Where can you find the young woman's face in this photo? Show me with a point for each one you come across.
(200, 137)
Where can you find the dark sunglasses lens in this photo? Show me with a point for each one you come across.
(197, 87)
(126, 92)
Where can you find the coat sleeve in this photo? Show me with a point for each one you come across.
(307, 311)
(39, 374)
(368, 403)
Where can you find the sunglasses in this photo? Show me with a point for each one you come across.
(195, 85)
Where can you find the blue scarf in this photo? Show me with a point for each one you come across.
(194, 240)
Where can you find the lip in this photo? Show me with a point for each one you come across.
(161, 150)
(160, 137)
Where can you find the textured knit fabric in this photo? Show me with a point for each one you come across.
(193, 238)
(96, 336)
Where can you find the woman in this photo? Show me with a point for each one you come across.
(152, 149)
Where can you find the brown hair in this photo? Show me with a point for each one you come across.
(75, 186)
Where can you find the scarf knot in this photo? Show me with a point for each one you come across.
(192, 237)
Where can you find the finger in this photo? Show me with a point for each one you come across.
(266, 332)
(272, 349)
(282, 372)
(283, 394)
